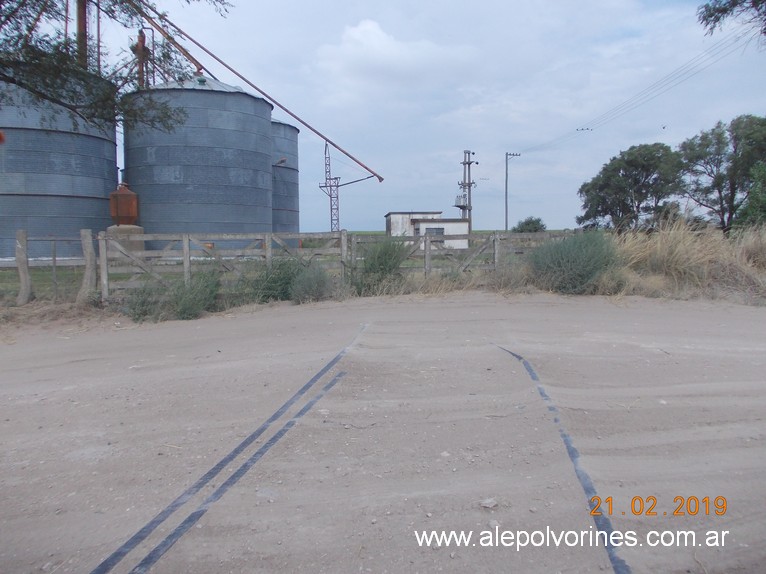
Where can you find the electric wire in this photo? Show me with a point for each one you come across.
(703, 61)
(699, 63)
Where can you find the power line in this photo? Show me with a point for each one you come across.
(693, 67)
(699, 63)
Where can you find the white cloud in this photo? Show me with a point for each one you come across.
(369, 63)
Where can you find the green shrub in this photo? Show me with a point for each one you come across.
(178, 301)
(144, 303)
(189, 301)
(380, 268)
(572, 265)
(274, 283)
(312, 283)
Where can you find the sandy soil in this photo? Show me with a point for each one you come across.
(320, 438)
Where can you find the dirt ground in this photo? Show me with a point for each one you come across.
(321, 438)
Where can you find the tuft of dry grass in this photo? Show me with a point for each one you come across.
(443, 283)
(41, 312)
(516, 277)
(675, 252)
(679, 262)
(750, 245)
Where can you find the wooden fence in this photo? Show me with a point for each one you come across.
(230, 253)
(432, 253)
(124, 262)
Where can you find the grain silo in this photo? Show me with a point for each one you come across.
(55, 177)
(213, 173)
(285, 215)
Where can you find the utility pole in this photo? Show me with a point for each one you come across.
(463, 201)
(330, 187)
(508, 156)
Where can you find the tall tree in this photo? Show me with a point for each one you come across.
(712, 14)
(719, 164)
(54, 61)
(753, 211)
(631, 188)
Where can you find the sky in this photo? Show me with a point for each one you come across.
(407, 86)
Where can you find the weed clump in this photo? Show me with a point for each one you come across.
(379, 273)
(311, 284)
(274, 283)
(187, 302)
(144, 303)
(155, 302)
(574, 265)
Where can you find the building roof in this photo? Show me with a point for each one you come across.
(411, 213)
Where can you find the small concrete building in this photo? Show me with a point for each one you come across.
(417, 223)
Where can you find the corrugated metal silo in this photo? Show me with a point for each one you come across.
(212, 174)
(54, 180)
(285, 215)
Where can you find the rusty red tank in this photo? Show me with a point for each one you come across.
(123, 205)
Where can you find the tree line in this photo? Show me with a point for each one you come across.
(721, 171)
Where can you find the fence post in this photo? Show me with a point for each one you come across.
(343, 252)
(427, 255)
(267, 247)
(353, 251)
(22, 264)
(103, 259)
(495, 253)
(187, 259)
(89, 276)
(54, 275)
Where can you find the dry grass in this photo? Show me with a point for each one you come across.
(679, 262)
(41, 312)
(443, 283)
(750, 245)
(682, 256)
(516, 277)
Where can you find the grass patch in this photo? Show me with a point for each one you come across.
(750, 245)
(190, 301)
(61, 287)
(154, 302)
(379, 273)
(680, 262)
(676, 253)
(144, 303)
(273, 283)
(574, 265)
(312, 284)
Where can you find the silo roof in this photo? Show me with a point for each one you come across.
(199, 83)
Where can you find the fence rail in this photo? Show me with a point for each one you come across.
(185, 253)
(119, 262)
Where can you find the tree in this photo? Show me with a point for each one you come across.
(712, 14)
(631, 188)
(719, 164)
(529, 225)
(753, 212)
(51, 63)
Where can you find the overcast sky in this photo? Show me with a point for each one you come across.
(406, 86)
